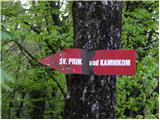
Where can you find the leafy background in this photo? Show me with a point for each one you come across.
(35, 29)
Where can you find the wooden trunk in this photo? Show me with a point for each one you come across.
(97, 25)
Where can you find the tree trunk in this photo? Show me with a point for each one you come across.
(97, 25)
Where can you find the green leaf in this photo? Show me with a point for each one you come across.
(5, 77)
(6, 35)
(139, 117)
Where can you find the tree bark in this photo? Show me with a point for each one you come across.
(97, 25)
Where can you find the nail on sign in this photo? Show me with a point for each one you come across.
(100, 62)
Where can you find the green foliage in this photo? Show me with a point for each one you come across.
(4, 79)
(29, 34)
(137, 96)
(41, 28)
(7, 35)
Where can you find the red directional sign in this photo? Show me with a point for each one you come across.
(100, 62)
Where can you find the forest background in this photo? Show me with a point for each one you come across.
(32, 30)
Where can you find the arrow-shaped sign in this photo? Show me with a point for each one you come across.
(100, 62)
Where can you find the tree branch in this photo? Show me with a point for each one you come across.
(24, 49)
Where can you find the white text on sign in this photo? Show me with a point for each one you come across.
(98, 62)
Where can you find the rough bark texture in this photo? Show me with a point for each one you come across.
(97, 25)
